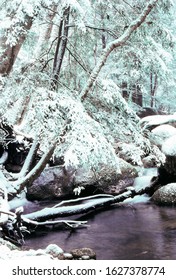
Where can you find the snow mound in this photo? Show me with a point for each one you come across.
(162, 133)
(169, 146)
(157, 120)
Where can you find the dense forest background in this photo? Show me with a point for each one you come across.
(74, 75)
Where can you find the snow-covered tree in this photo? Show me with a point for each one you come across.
(62, 92)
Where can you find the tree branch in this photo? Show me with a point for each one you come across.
(69, 223)
(114, 44)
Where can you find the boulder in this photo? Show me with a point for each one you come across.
(53, 182)
(169, 149)
(150, 161)
(83, 253)
(161, 133)
(56, 182)
(125, 179)
(165, 195)
(105, 176)
(54, 251)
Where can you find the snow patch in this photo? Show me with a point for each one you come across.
(169, 146)
(162, 133)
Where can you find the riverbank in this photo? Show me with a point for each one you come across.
(52, 251)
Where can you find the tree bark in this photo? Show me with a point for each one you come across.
(115, 44)
(153, 87)
(60, 48)
(137, 95)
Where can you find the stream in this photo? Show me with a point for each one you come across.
(137, 229)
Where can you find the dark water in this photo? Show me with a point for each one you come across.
(137, 229)
(132, 231)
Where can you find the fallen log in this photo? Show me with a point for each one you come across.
(85, 205)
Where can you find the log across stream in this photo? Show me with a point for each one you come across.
(137, 229)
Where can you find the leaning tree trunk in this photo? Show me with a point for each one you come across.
(27, 180)
(114, 44)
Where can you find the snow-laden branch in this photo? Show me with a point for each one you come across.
(114, 44)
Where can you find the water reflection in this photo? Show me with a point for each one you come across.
(138, 231)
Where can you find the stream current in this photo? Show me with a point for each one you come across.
(137, 229)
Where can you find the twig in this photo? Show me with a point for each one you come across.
(70, 223)
(81, 199)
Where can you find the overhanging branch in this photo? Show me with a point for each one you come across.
(114, 44)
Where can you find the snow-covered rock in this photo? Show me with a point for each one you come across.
(55, 182)
(129, 152)
(161, 133)
(166, 195)
(8, 251)
(150, 161)
(54, 250)
(12, 252)
(169, 146)
(150, 121)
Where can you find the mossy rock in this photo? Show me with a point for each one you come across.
(165, 195)
(78, 253)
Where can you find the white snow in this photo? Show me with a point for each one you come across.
(169, 146)
(162, 133)
(157, 120)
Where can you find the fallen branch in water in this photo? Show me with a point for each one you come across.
(17, 222)
(87, 204)
(64, 211)
(69, 223)
(80, 199)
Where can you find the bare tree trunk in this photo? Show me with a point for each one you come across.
(114, 44)
(137, 95)
(60, 48)
(125, 92)
(153, 87)
(28, 179)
